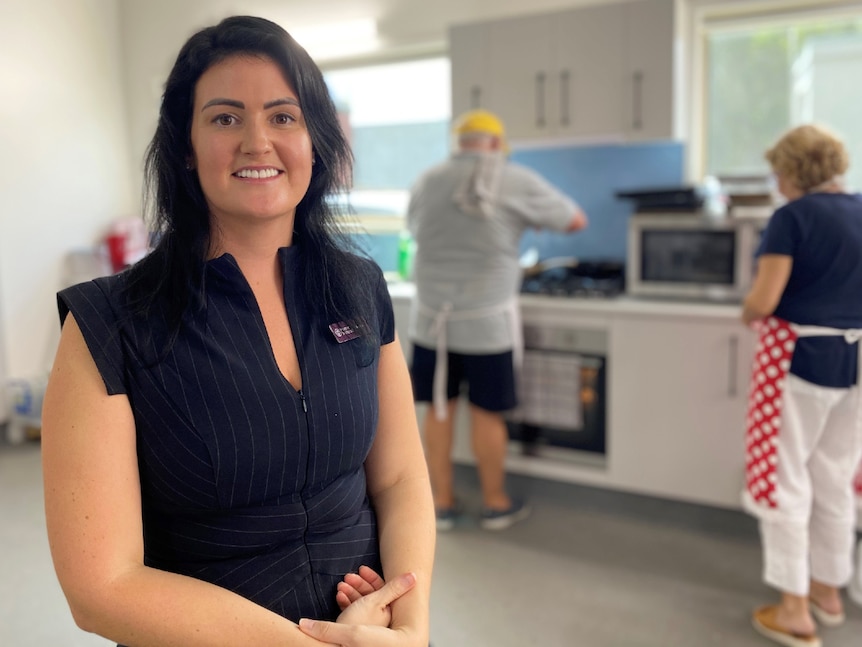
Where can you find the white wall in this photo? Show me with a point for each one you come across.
(65, 169)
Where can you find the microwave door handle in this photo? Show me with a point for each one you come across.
(733, 347)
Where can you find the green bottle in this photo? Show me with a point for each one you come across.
(406, 246)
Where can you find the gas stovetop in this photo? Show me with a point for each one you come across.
(604, 279)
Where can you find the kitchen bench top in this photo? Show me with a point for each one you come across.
(624, 305)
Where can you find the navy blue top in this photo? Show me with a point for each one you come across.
(246, 482)
(822, 232)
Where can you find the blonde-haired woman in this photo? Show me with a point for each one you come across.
(804, 437)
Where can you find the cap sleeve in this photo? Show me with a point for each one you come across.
(782, 234)
(382, 305)
(91, 305)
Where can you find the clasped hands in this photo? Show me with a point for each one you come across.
(364, 599)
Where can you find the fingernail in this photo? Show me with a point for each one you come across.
(306, 623)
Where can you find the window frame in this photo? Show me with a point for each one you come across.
(705, 16)
(370, 223)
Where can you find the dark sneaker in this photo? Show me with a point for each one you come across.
(446, 518)
(501, 519)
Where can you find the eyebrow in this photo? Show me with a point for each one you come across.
(219, 101)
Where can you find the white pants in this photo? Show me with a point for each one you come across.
(811, 533)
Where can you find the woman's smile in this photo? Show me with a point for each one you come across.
(257, 174)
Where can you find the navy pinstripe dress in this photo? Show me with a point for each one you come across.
(246, 482)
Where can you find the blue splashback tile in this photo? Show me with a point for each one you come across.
(591, 175)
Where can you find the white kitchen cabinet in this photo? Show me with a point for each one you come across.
(589, 58)
(678, 398)
(470, 55)
(649, 69)
(596, 72)
(521, 75)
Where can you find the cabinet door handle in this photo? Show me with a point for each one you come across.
(733, 348)
(565, 118)
(475, 96)
(637, 100)
(540, 100)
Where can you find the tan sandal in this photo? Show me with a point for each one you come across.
(764, 623)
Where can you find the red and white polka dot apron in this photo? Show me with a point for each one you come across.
(771, 365)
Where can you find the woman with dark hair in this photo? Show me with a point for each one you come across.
(230, 448)
(804, 439)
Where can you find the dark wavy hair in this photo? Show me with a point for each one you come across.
(173, 274)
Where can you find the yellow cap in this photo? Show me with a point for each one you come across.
(479, 121)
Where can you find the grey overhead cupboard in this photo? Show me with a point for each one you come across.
(602, 71)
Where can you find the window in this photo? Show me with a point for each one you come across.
(768, 74)
(397, 117)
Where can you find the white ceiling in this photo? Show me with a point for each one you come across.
(400, 23)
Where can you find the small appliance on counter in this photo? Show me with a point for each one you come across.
(749, 196)
(691, 256)
(664, 199)
(709, 197)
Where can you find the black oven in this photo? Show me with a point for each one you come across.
(562, 391)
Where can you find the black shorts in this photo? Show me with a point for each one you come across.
(490, 379)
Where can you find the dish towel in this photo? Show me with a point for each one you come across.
(477, 194)
(549, 391)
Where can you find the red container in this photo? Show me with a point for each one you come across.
(116, 251)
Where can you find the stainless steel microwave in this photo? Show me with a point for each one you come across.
(691, 256)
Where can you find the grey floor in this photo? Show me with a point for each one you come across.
(591, 568)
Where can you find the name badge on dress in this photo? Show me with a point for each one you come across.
(344, 331)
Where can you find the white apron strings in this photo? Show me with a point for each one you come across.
(438, 330)
(851, 335)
